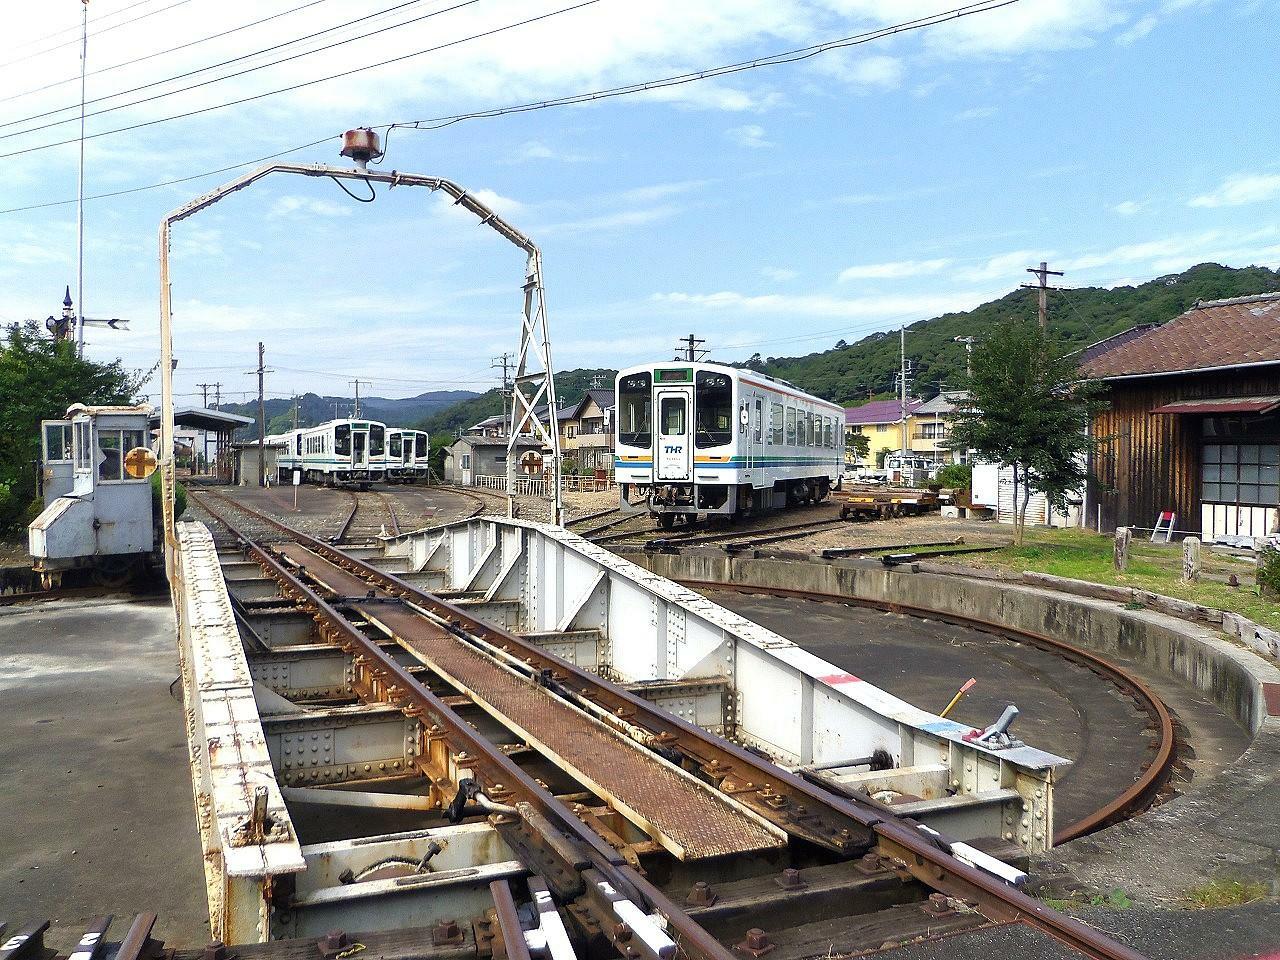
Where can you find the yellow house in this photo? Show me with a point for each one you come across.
(929, 426)
(881, 422)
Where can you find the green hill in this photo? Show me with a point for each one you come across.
(848, 373)
(314, 409)
(570, 386)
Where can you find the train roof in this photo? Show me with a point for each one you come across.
(726, 368)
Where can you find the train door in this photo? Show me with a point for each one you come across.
(57, 468)
(674, 442)
(360, 449)
(755, 440)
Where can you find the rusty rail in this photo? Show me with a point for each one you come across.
(801, 808)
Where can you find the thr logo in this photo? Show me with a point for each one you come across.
(673, 448)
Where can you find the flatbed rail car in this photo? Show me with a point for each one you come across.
(872, 501)
(703, 438)
(407, 457)
(340, 452)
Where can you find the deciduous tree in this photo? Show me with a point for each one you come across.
(1028, 408)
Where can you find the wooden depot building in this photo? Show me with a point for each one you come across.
(1194, 421)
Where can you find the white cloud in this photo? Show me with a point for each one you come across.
(538, 150)
(1239, 189)
(779, 274)
(877, 71)
(892, 270)
(1140, 28)
(822, 305)
(613, 221)
(1005, 266)
(751, 135)
(290, 204)
(975, 113)
(1127, 208)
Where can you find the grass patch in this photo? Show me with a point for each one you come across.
(1082, 555)
(1228, 893)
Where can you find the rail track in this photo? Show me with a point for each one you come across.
(1150, 782)
(373, 514)
(692, 796)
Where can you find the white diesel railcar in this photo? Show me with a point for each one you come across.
(701, 438)
(408, 455)
(337, 452)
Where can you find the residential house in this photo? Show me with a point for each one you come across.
(1194, 422)
(881, 422)
(929, 427)
(586, 431)
(492, 427)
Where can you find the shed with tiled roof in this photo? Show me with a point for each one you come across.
(1194, 421)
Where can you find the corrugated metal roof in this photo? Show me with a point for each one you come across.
(1221, 405)
(879, 411)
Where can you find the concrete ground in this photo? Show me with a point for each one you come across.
(1065, 708)
(96, 798)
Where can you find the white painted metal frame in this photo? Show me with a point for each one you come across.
(794, 706)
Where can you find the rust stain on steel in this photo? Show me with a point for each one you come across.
(687, 818)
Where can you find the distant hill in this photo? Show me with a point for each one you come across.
(570, 386)
(850, 373)
(313, 409)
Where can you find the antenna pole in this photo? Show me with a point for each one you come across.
(84, 56)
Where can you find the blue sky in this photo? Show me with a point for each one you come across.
(775, 210)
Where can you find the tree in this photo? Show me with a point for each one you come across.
(857, 444)
(39, 379)
(1028, 408)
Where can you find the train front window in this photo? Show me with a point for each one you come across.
(342, 439)
(673, 409)
(393, 446)
(713, 409)
(423, 445)
(377, 434)
(635, 410)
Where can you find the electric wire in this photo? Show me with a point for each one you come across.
(224, 63)
(161, 53)
(308, 83)
(76, 28)
(98, 33)
(955, 13)
(373, 194)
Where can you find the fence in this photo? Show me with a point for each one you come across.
(537, 487)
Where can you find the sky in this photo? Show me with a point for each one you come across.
(773, 210)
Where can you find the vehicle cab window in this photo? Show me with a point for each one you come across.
(377, 438)
(635, 406)
(394, 446)
(713, 409)
(342, 439)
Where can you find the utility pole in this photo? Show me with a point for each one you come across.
(204, 393)
(1044, 273)
(504, 363)
(84, 61)
(902, 377)
(690, 346)
(295, 411)
(968, 353)
(356, 414)
(262, 420)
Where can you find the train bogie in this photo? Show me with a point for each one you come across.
(701, 438)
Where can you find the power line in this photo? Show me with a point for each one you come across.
(308, 83)
(955, 13)
(224, 63)
(790, 56)
(105, 16)
(161, 53)
(96, 33)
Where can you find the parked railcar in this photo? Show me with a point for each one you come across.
(703, 438)
(340, 452)
(407, 456)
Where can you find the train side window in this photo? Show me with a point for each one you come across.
(791, 425)
(831, 433)
(759, 419)
(635, 410)
(775, 423)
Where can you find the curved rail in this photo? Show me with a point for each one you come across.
(1131, 801)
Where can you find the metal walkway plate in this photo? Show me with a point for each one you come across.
(686, 816)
